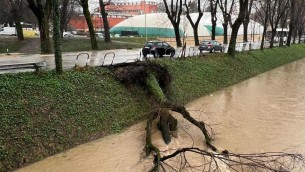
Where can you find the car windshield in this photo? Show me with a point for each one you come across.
(149, 44)
(205, 42)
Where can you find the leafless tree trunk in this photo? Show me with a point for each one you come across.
(16, 9)
(105, 20)
(57, 36)
(86, 12)
(213, 6)
(174, 11)
(296, 18)
(64, 15)
(292, 21)
(247, 20)
(226, 13)
(276, 9)
(196, 24)
(243, 7)
(263, 9)
(42, 12)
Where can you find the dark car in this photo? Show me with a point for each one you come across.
(158, 49)
(211, 46)
(302, 39)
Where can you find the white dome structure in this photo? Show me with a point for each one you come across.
(158, 24)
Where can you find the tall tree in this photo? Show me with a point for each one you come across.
(67, 9)
(86, 12)
(57, 36)
(5, 13)
(42, 11)
(295, 16)
(300, 23)
(16, 9)
(64, 15)
(226, 13)
(105, 20)
(213, 8)
(276, 9)
(196, 24)
(247, 20)
(243, 6)
(174, 15)
(263, 13)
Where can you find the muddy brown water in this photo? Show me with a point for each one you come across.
(264, 113)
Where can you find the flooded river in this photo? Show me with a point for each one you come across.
(264, 113)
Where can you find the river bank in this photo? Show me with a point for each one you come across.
(47, 114)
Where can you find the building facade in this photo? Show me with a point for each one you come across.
(117, 12)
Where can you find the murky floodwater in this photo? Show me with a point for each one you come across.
(265, 113)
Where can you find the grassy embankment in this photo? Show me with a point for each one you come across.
(45, 114)
(73, 44)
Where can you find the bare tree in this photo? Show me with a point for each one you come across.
(5, 13)
(276, 9)
(67, 9)
(300, 23)
(57, 36)
(226, 13)
(243, 7)
(247, 20)
(196, 24)
(16, 8)
(42, 11)
(174, 11)
(262, 10)
(292, 21)
(213, 8)
(86, 12)
(296, 17)
(105, 19)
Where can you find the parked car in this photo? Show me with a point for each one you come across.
(158, 49)
(99, 35)
(8, 31)
(211, 46)
(67, 34)
(302, 39)
(117, 35)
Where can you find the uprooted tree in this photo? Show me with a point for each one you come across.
(156, 79)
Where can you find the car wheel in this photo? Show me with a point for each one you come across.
(172, 54)
(156, 55)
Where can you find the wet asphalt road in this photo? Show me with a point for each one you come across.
(96, 58)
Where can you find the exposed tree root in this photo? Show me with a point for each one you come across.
(156, 80)
(271, 161)
(200, 124)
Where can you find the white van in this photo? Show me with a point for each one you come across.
(8, 31)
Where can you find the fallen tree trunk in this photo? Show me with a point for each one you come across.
(156, 80)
